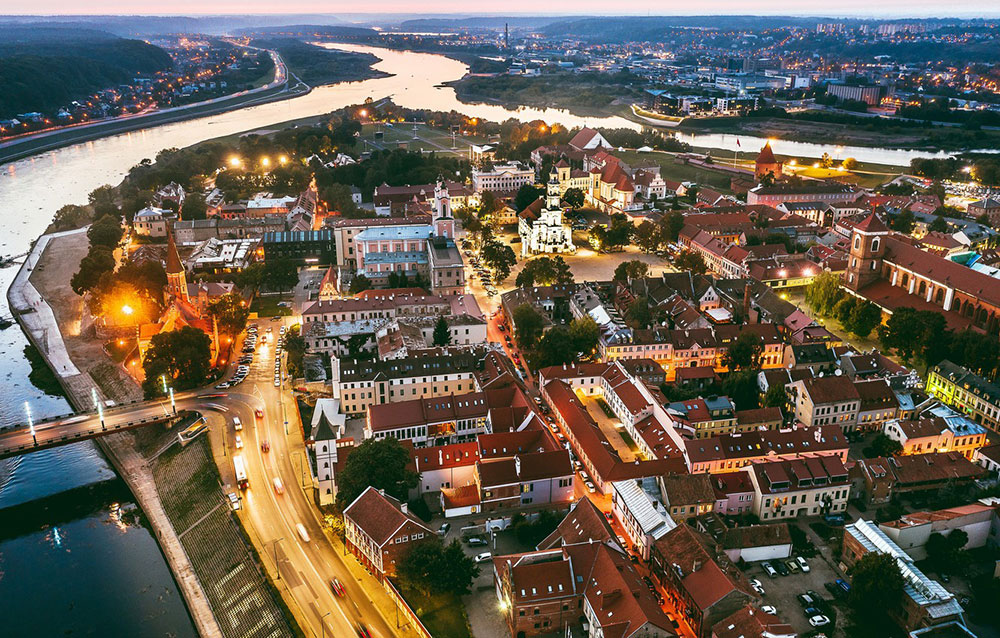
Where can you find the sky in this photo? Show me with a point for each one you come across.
(842, 8)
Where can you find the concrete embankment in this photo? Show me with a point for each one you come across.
(39, 323)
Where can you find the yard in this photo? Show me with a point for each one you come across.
(268, 306)
(443, 614)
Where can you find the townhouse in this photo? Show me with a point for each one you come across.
(961, 389)
(732, 452)
(825, 401)
(937, 434)
(380, 531)
(814, 486)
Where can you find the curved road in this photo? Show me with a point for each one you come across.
(306, 568)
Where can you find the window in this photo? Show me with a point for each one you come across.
(875, 244)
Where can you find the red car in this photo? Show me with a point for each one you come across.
(363, 632)
(265, 446)
(336, 587)
(259, 412)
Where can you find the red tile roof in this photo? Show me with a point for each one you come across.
(379, 515)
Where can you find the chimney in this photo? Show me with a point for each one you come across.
(403, 508)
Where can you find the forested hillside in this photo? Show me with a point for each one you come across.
(42, 68)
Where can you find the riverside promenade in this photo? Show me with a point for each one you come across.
(37, 319)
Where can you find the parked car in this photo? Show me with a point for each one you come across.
(444, 529)
(482, 558)
(259, 412)
(769, 569)
(807, 600)
(757, 587)
(843, 584)
(780, 566)
(265, 446)
(819, 620)
(475, 541)
(769, 609)
(803, 565)
(279, 487)
(234, 500)
(239, 442)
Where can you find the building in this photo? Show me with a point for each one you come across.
(880, 479)
(380, 531)
(578, 575)
(511, 482)
(870, 94)
(687, 495)
(926, 602)
(878, 404)
(751, 622)
(912, 531)
(989, 207)
(699, 579)
(708, 417)
(801, 191)
(732, 452)
(801, 487)
(502, 178)
(639, 506)
(767, 164)
(541, 226)
(328, 427)
(937, 434)
(829, 400)
(959, 388)
(152, 222)
(306, 247)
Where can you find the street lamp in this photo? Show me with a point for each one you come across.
(127, 310)
(31, 425)
(274, 547)
(322, 623)
(98, 406)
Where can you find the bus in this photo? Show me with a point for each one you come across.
(241, 473)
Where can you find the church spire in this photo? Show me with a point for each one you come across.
(176, 276)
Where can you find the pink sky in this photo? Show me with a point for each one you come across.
(916, 8)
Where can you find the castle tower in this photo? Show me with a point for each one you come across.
(867, 250)
(767, 163)
(176, 276)
(444, 223)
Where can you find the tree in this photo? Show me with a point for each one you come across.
(824, 292)
(102, 200)
(281, 274)
(442, 333)
(295, 346)
(432, 567)
(671, 225)
(107, 231)
(630, 270)
(903, 222)
(397, 279)
(585, 334)
(849, 163)
(744, 353)
(863, 318)
(939, 225)
(741, 387)
(544, 271)
(526, 195)
(826, 161)
(96, 263)
(251, 277)
(876, 587)
(500, 258)
(338, 197)
(945, 553)
(921, 333)
(379, 463)
(72, 216)
(183, 356)
(776, 397)
(619, 231)
(881, 445)
(648, 237)
(360, 283)
(194, 207)
(556, 347)
(688, 260)
(639, 314)
(231, 312)
(528, 325)
(574, 197)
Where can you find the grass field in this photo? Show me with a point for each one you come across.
(268, 306)
(428, 139)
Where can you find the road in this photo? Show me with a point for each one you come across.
(306, 568)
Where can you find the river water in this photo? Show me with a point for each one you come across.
(73, 566)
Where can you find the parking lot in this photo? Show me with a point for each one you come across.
(782, 591)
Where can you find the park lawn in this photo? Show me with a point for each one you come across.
(443, 614)
(268, 306)
(671, 170)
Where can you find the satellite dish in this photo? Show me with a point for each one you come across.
(838, 372)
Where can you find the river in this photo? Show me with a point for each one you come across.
(91, 573)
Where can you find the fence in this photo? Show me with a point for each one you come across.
(403, 608)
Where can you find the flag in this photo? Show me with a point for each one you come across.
(737, 141)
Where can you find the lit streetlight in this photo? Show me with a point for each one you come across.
(275, 549)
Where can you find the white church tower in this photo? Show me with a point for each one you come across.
(444, 222)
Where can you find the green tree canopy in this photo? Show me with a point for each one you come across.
(688, 260)
(194, 207)
(433, 568)
(379, 463)
(106, 231)
(182, 355)
(574, 197)
(360, 283)
(97, 262)
(745, 352)
(526, 195)
(876, 587)
(500, 258)
(231, 312)
(281, 274)
(630, 270)
(544, 271)
(528, 325)
(442, 335)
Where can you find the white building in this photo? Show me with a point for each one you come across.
(328, 427)
(638, 506)
(151, 222)
(502, 178)
(543, 230)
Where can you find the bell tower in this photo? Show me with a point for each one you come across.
(176, 275)
(867, 249)
(444, 223)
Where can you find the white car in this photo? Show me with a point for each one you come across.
(757, 587)
(819, 620)
(239, 442)
(803, 565)
(482, 558)
(769, 609)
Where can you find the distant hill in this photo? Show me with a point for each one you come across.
(306, 29)
(43, 68)
(152, 25)
(485, 22)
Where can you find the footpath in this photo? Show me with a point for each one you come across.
(38, 320)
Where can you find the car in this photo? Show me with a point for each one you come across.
(609, 516)
(444, 529)
(501, 327)
(234, 501)
(277, 383)
(807, 600)
(239, 442)
(812, 611)
(222, 386)
(780, 566)
(279, 487)
(259, 412)
(237, 424)
(363, 632)
(792, 566)
(265, 446)
(844, 585)
(482, 558)
(303, 534)
(577, 465)
(819, 620)
(769, 609)
(803, 565)
(834, 589)
(475, 541)
(945, 578)
(769, 569)
(590, 486)
(757, 587)
(336, 586)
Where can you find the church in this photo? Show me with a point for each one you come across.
(187, 304)
(892, 272)
(541, 226)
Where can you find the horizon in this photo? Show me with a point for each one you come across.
(848, 9)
